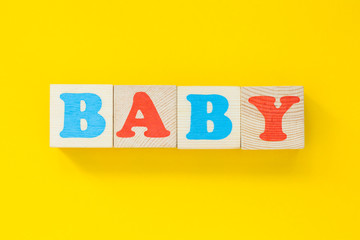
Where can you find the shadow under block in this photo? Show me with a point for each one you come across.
(208, 117)
(144, 116)
(272, 117)
(81, 116)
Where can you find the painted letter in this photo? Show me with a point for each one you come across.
(151, 120)
(273, 116)
(73, 115)
(200, 117)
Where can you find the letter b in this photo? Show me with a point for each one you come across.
(200, 117)
(73, 115)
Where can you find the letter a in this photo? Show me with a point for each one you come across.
(151, 120)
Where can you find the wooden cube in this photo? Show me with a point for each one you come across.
(81, 115)
(145, 116)
(208, 117)
(272, 117)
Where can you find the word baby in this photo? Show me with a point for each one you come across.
(169, 116)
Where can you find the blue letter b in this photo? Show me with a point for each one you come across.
(200, 116)
(73, 115)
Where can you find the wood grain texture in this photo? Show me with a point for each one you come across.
(164, 100)
(105, 92)
(232, 94)
(253, 121)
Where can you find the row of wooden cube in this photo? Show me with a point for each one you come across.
(186, 117)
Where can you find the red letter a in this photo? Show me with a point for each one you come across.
(273, 116)
(151, 120)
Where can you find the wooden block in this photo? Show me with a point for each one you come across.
(145, 116)
(81, 115)
(208, 117)
(272, 117)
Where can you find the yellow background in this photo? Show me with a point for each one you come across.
(49, 193)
